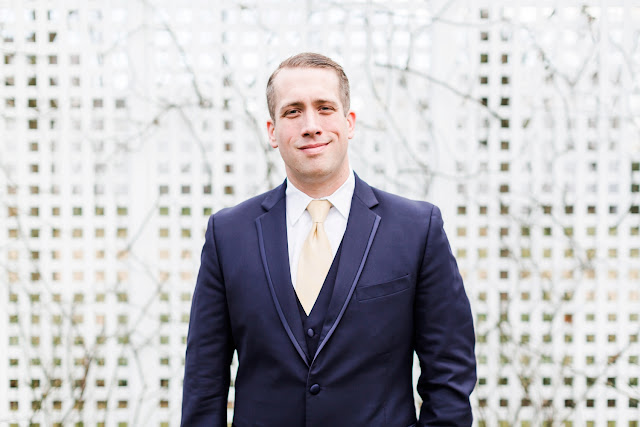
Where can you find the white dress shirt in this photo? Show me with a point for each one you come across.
(299, 219)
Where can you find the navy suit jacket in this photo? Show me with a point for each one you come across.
(397, 291)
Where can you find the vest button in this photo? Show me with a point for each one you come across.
(315, 389)
(310, 333)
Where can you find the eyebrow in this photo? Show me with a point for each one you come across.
(289, 105)
(324, 101)
(299, 104)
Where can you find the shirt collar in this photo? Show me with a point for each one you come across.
(297, 201)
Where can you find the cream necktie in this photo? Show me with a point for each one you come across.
(316, 256)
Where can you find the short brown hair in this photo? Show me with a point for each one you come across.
(310, 60)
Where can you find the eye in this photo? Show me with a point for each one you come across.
(326, 108)
(291, 112)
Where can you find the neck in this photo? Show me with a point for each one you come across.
(317, 189)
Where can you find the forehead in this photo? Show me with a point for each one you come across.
(298, 84)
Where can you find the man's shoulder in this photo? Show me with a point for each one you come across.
(250, 208)
(402, 213)
(402, 204)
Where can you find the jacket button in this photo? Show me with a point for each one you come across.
(310, 332)
(315, 389)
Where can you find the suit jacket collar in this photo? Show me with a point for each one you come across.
(272, 238)
(362, 191)
(358, 237)
(274, 196)
(365, 193)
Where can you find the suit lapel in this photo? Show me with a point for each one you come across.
(358, 237)
(272, 236)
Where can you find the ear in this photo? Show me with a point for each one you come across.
(271, 129)
(351, 123)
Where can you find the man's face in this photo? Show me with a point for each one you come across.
(311, 129)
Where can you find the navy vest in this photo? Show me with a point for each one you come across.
(312, 324)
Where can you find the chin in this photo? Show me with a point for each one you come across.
(313, 174)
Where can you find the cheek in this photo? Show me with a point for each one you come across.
(338, 126)
(285, 134)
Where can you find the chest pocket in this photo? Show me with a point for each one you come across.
(383, 289)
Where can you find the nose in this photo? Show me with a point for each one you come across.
(311, 126)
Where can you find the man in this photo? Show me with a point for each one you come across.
(326, 301)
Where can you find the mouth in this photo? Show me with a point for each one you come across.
(314, 148)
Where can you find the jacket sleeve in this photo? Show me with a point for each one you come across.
(209, 345)
(444, 335)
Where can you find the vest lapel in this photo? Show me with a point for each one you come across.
(272, 237)
(358, 237)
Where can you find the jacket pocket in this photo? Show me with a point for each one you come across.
(383, 289)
